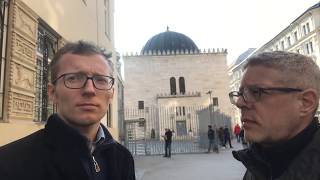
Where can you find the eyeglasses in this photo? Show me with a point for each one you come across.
(253, 94)
(79, 80)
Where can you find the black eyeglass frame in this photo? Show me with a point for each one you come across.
(85, 82)
(260, 91)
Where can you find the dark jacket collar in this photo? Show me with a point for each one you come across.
(61, 135)
(68, 147)
(277, 158)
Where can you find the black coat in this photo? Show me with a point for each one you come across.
(211, 134)
(295, 160)
(168, 135)
(55, 153)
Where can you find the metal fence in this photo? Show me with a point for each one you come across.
(144, 129)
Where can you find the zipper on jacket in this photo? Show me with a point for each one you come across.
(96, 165)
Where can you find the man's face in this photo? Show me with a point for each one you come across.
(275, 116)
(85, 106)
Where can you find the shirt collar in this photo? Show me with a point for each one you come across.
(100, 135)
(99, 138)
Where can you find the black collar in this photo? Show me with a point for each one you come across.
(62, 136)
(279, 156)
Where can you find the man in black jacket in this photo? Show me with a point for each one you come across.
(211, 138)
(74, 145)
(278, 99)
(168, 141)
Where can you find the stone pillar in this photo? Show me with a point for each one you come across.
(21, 64)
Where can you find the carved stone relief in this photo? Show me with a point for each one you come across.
(25, 23)
(22, 106)
(22, 77)
(23, 49)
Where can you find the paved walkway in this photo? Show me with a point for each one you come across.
(211, 166)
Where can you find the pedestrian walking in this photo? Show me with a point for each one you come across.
(221, 136)
(236, 132)
(211, 138)
(227, 137)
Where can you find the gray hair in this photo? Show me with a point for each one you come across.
(78, 48)
(299, 70)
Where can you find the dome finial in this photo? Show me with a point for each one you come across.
(167, 28)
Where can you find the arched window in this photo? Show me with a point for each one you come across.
(182, 85)
(173, 89)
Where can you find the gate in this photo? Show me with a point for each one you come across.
(135, 136)
(144, 129)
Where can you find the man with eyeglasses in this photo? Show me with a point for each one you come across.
(74, 145)
(278, 99)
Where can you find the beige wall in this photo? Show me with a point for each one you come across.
(147, 76)
(66, 18)
(15, 130)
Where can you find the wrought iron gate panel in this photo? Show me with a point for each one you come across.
(156, 120)
(47, 46)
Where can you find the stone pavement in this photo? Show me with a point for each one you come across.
(210, 166)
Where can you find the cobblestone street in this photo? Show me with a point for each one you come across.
(212, 166)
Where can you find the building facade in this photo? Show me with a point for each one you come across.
(32, 31)
(301, 36)
(171, 81)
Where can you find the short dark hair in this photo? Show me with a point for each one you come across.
(299, 70)
(80, 48)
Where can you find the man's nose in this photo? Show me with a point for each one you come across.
(89, 86)
(240, 103)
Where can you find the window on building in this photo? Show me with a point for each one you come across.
(182, 86)
(311, 47)
(215, 101)
(295, 34)
(173, 89)
(47, 45)
(289, 41)
(3, 36)
(183, 111)
(140, 104)
(282, 45)
(307, 48)
(304, 29)
(308, 28)
(107, 18)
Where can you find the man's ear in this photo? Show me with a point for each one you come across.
(52, 93)
(111, 93)
(310, 100)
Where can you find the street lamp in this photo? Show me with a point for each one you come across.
(210, 107)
